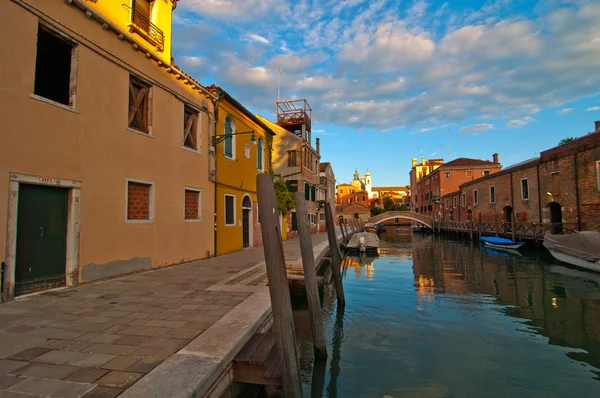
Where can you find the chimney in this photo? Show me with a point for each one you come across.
(414, 162)
(318, 146)
(423, 161)
(597, 126)
(495, 157)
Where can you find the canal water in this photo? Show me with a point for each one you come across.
(444, 317)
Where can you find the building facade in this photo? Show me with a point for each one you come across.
(104, 165)
(417, 172)
(241, 148)
(328, 184)
(445, 179)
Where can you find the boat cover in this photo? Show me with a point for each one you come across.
(584, 245)
(363, 238)
(498, 241)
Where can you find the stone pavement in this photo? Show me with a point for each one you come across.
(97, 339)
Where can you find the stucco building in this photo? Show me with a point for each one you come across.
(327, 184)
(417, 172)
(104, 165)
(241, 148)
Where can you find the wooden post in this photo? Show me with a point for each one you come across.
(335, 258)
(479, 226)
(310, 275)
(283, 321)
(471, 229)
(341, 229)
(496, 220)
(512, 219)
(345, 230)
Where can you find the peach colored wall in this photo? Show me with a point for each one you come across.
(93, 146)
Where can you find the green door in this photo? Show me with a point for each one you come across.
(41, 238)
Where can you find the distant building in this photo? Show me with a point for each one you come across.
(327, 186)
(353, 193)
(417, 172)
(357, 211)
(446, 178)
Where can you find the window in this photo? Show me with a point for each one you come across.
(464, 199)
(313, 193)
(141, 14)
(446, 203)
(492, 194)
(475, 197)
(247, 151)
(485, 173)
(454, 202)
(306, 191)
(229, 146)
(292, 185)
(260, 154)
(525, 189)
(190, 127)
(364, 198)
(54, 68)
(192, 204)
(469, 173)
(447, 174)
(139, 201)
(349, 200)
(292, 158)
(229, 210)
(139, 105)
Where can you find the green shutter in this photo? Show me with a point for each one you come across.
(228, 138)
(313, 193)
(260, 154)
(289, 185)
(306, 191)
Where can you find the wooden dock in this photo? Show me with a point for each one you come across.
(515, 231)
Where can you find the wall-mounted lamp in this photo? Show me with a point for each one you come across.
(549, 193)
(220, 138)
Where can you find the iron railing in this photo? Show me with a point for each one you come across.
(145, 28)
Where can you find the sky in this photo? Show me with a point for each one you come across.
(389, 80)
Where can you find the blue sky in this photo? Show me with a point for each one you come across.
(389, 80)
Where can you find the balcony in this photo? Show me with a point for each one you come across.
(293, 115)
(141, 25)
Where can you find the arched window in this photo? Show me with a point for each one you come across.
(260, 155)
(229, 143)
(247, 202)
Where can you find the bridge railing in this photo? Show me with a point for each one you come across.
(527, 230)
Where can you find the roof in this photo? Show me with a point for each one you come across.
(464, 162)
(399, 189)
(224, 94)
(323, 166)
(356, 206)
(510, 169)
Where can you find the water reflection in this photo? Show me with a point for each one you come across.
(443, 317)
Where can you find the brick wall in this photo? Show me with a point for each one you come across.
(557, 177)
(589, 189)
(192, 199)
(138, 201)
(526, 209)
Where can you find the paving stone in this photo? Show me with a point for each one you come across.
(144, 365)
(57, 344)
(129, 329)
(184, 333)
(159, 316)
(74, 390)
(78, 346)
(21, 329)
(165, 323)
(165, 342)
(90, 360)
(39, 386)
(153, 331)
(7, 380)
(87, 375)
(137, 322)
(65, 335)
(146, 351)
(9, 365)
(30, 353)
(113, 314)
(46, 370)
(105, 338)
(95, 319)
(103, 392)
(14, 394)
(119, 379)
(87, 336)
(115, 329)
(121, 362)
(89, 327)
(131, 340)
(57, 357)
(114, 349)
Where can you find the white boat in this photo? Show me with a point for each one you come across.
(581, 249)
(364, 242)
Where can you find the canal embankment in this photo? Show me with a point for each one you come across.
(166, 332)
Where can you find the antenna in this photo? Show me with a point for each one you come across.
(278, 82)
(448, 144)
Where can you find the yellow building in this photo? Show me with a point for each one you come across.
(242, 150)
(104, 149)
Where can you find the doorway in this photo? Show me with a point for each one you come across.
(41, 238)
(246, 211)
(556, 217)
(508, 212)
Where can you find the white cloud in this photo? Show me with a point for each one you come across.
(593, 108)
(258, 38)
(192, 61)
(516, 123)
(564, 111)
(476, 127)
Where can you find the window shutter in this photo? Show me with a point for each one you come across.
(306, 191)
(313, 193)
(228, 138)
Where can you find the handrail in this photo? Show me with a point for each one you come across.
(143, 26)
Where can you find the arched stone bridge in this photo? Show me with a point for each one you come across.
(408, 215)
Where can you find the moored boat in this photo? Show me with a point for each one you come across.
(581, 249)
(501, 243)
(364, 242)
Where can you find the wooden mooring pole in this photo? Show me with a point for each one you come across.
(310, 277)
(283, 321)
(335, 258)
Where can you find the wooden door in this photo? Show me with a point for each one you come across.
(41, 238)
(246, 227)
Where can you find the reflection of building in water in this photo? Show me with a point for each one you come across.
(559, 306)
(358, 263)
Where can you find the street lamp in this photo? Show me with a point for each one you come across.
(220, 138)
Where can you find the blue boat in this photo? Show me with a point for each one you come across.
(501, 243)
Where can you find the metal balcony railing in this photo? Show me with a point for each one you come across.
(145, 28)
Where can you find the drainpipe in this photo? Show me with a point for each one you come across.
(216, 117)
(537, 169)
(577, 193)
